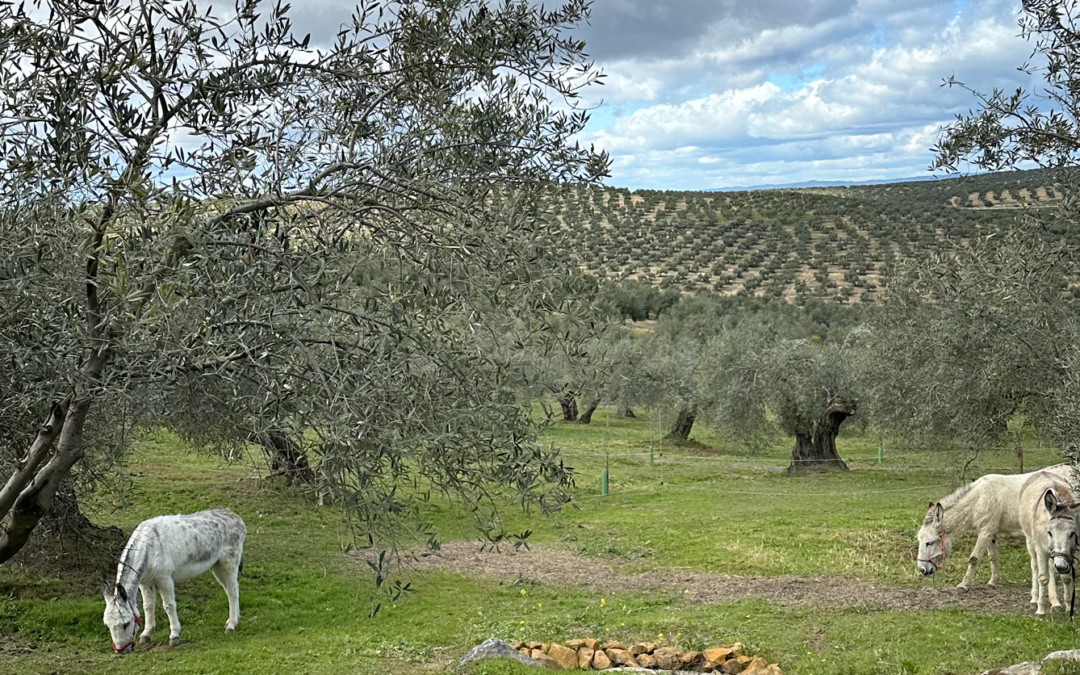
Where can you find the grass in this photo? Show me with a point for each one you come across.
(305, 605)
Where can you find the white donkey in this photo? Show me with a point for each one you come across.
(988, 506)
(1048, 519)
(165, 550)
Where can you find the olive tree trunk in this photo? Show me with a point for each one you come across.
(569, 408)
(815, 447)
(286, 458)
(683, 424)
(625, 412)
(586, 417)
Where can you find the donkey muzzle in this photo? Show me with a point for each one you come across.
(1062, 564)
(927, 568)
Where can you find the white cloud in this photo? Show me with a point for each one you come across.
(867, 100)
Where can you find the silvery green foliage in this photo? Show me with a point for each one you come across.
(968, 339)
(212, 225)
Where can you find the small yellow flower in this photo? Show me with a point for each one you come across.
(603, 602)
(539, 605)
(524, 592)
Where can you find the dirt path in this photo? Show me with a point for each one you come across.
(557, 566)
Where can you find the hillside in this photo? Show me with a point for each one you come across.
(835, 243)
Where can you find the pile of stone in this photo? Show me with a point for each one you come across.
(591, 654)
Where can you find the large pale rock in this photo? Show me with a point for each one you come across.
(494, 648)
(1067, 655)
(534, 645)
(646, 660)
(757, 666)
(564, 656)
(642, 648)
(667, 657)
(774, 669)
(600, 660)
(718, 655)
(611, 644)
(544, 660)
(575, 644)
(584, 657)
(592, 644)
(621, 657)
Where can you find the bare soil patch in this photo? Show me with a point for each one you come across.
(557, 565)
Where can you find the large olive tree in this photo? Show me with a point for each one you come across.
(971, 337)
(213, 225)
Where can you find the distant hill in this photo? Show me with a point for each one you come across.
(826, 183)
(823, 241)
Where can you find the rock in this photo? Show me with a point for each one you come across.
(642, 648)
(575, 644)
(516, 644)
(733, 667)
(585, 657)
(1067, 655)
(667, 658)
(534, 645)
(718, 655)
(646, 660)
(526, 651)
(592, 644)
(620, 657)
(774, 669)
(564, 656)
(600, 661)
(757, 666)
(611, 644)
(692, 661)
(544, 660)
(737, 649)
(494, 648)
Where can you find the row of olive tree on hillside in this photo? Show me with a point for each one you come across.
(216, 226)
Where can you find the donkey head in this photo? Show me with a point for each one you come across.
(1061, 530)
(932, 549)
(120, 618)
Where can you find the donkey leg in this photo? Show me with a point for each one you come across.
(973, 560)
(1034, 575)
(995, 567)
(1044, 580)
(149, 605)
(225, 572)
(168, 598)
(1052, 586)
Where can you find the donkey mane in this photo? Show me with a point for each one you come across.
(956, 495)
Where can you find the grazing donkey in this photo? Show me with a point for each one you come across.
(989, 506)
(1048, 519)
(165, 550)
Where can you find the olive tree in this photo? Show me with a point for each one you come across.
(207, 219)
(809, 386)
(971, 337)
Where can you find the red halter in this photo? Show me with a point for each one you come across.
(931, 560)
(138, 625)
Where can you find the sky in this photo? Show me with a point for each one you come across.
(703, 94)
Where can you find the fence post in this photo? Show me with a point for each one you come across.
(651, 455)
(880, 450)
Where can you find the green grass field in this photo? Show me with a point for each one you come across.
(305, 604)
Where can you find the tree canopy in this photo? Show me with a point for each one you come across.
(217, 226)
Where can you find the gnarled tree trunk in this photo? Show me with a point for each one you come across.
(815, 448)
(683, 424)
(625, 411)
(586, 417)
(569, 408)
(287, 459)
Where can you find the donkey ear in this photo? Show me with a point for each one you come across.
(939, 512)
(931, 507)
(121, 593)
(1050, 499)
(107, 592)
